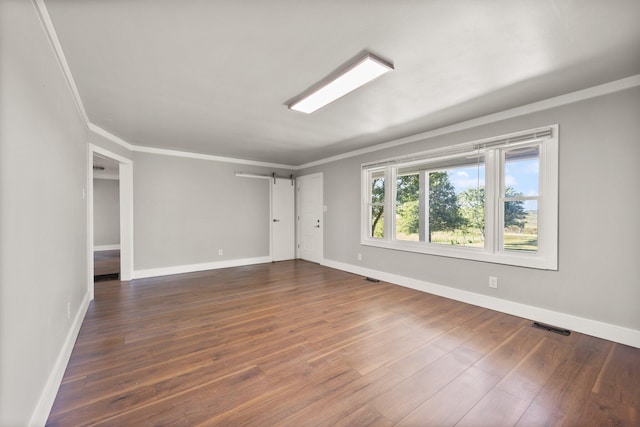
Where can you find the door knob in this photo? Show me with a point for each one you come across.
(276, 220)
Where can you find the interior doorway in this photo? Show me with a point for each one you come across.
(106, 218)
(121, 253)
(310, 217)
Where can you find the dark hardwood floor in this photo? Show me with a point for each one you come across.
(106, 264)
(294, 344)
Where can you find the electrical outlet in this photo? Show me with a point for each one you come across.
(359, 257)
(493, 282)
(68, 311)
(220, 252)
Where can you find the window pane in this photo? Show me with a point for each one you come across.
(377, 187)
(456, 205)
(376, 210)
(408, 207)
(522, 172)
(521, 225)
(377, 221)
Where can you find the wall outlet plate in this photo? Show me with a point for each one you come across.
(493, 282)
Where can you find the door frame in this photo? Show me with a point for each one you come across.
(298, 211)
(271, 234)
(126, 214)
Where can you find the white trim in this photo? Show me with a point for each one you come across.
(190, 268)
(126, 214)
(190, 155)
(126, 220)
(298, 225)
(109, 154)
(90, 237)
(271, 183)
(545, 258)
(583, 325)
(558, 101)
(50, 390)
(105, 175)
(111, 137)
(50, 30)
(106, 248)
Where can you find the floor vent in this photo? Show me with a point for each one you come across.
(371, 279)
(550, 328)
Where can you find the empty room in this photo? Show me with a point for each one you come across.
(336, 213)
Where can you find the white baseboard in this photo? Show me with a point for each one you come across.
(48, 395)
(583, 325)
(190, 268)
(106, 248)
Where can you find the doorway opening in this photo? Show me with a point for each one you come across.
(110, 217)
(106, 218)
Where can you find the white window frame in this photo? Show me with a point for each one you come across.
(546, 257)
(369, 204)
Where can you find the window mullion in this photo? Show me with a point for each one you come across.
(423, 209)
(491, 188)
(390, 203)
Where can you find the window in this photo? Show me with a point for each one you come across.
(519, 201)
(376, 205)
(493, 200)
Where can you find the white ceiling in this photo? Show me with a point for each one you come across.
(213, 77)
(110, 168)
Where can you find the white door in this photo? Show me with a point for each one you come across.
(282, 219)
(310, 218)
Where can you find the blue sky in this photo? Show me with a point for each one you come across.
(522, 175)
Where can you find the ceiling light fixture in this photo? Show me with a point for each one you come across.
(365, 69)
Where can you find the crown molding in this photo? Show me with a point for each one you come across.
(50, 31)
(111, 137)
(569, 98)
(190, 155)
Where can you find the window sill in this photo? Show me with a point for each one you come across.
(528, 260)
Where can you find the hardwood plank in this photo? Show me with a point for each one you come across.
(568, 390)
(340, 404)
(452, 402)
(533, 371)
(618, 378)
(497, 408)
(511, 351)
(363, 416)
(288, 397)
(399, 401)
(95, 411)
(106, 262)
(196, 403)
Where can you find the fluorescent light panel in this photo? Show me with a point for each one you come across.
(360, 73)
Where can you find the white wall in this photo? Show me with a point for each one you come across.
(106, 212)
(599, 236)
(185, 210)
(43, 223)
